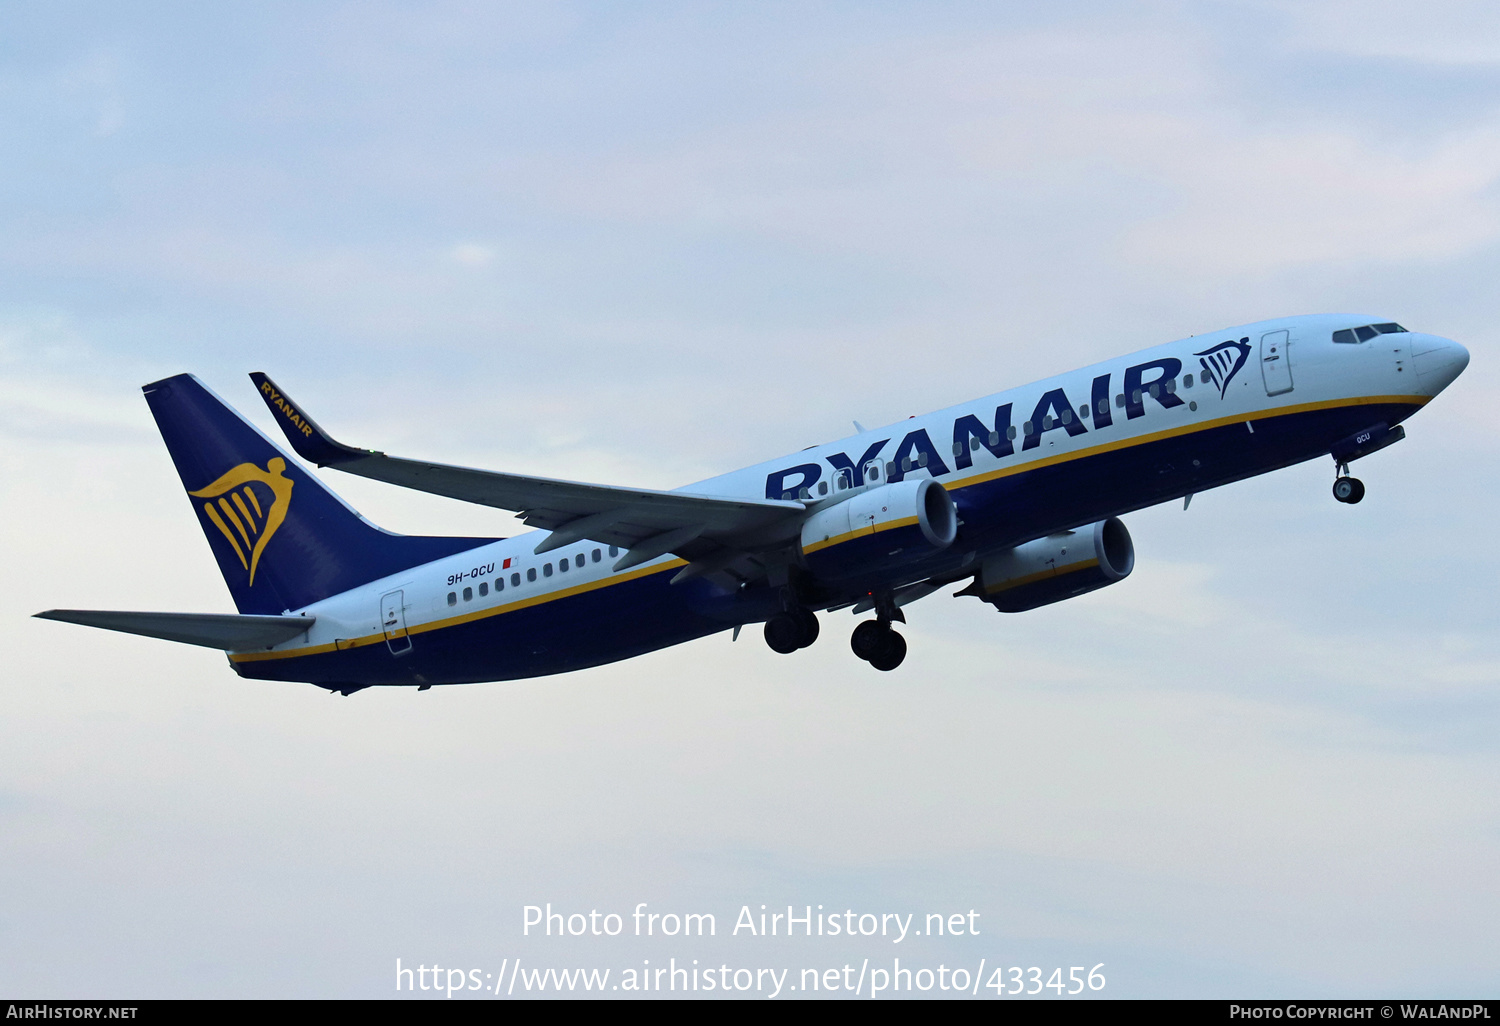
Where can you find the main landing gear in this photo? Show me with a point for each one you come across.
(796, 628)
(875, 643)
(1347, 489)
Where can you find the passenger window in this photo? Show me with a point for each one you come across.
(958, 448)
(546, 569)
(995, 436)
(874, 471)
(614, 550)
(1171, 385)
(1345, 336)
(786, 496)
(1083, 412)
(1067, 416)
(1010, 433)
(484, 589)
(578, 561)
(1026, 428)
(468, 594)
(515, 580)
(499, 585)
(1155, 391)
(1366, 333)
(822, 487)
(922, 460)
(596, 555)
(564, 564)
(531, 574)
(905, 464)
(1104, 406)
(1135, 397)
(1047, 422)
(453, 598)
(890, 468)
(974, 443)
(1187, 381)
(1120, 400)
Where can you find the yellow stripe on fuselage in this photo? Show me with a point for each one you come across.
(1185, 429)
(1047, 461)
(453, 621)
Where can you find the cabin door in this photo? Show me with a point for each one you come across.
(1275, 362)
(393, 622)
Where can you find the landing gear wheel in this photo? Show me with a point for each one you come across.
(868, 639)
(1348, 489)
(892, 651)
(807, 626)
(783, 633)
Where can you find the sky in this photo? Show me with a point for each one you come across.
(646, 244)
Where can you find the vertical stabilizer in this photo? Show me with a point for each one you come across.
(282, 539)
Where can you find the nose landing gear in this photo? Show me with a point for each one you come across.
(1345, 488)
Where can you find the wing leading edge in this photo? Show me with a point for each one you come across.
(711, 532)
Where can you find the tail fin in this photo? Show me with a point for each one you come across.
(282, 539)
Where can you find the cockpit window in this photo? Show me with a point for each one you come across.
(1367, 332)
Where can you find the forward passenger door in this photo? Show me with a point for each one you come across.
(1275, 362)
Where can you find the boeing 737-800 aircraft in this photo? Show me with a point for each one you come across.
(1015, 496)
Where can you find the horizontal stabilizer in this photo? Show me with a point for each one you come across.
(226, 631)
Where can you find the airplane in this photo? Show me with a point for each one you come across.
(1017, 496)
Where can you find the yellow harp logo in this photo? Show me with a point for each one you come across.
(254, 517)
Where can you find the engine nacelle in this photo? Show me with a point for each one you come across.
(884, 526)
(1056, 567)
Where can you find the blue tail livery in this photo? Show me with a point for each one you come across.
(282, 540)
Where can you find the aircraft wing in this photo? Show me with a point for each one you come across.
(710, 531)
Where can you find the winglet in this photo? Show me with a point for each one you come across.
(310, 441)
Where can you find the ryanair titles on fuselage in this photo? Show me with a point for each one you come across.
(1054, 411)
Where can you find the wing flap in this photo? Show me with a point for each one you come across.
(226, 631)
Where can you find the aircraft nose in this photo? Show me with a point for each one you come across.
(1438, 361)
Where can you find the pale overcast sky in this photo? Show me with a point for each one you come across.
(648, 243)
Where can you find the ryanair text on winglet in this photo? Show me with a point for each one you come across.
(286, 408)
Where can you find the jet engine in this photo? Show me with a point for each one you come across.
(885, 526)
(1056, 567)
